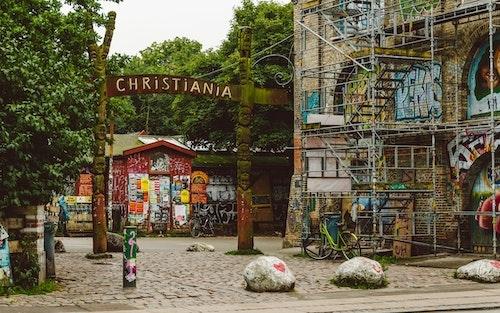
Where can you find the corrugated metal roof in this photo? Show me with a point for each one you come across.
(123, 142)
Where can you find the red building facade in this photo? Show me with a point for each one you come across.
(151, 185)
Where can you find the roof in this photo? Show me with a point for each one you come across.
(126, 142)
(159, 144)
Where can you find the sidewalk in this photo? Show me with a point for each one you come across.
(430, 300)
(487, 299)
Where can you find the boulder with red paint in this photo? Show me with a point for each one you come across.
(360, 272)
(268, 274)
(485, 271)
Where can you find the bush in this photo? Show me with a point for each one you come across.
(47, 286)
(356, 284)
(244, 252)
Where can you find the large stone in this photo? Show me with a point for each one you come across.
(59, 246)
(360, 271)
(268, 273)
(200, 246)
(486, 271)
(115, 242)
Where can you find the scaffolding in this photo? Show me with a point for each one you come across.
(379, 149)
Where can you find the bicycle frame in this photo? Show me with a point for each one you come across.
(336, 245)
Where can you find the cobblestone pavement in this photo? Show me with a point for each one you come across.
(178, 278)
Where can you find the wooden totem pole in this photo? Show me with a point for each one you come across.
(243, 142)
(98, 56)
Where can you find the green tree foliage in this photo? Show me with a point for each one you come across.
(46, 97)
(204, 120)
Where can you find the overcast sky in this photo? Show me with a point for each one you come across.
(139, 23)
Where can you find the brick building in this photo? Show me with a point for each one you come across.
(395, 120)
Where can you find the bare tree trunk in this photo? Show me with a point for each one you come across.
(98, 55)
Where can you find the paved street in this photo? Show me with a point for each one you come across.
(171, 277)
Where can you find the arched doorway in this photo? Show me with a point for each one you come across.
(478, 198)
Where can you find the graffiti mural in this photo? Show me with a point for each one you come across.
(469, 148)
(179, 165)
(160, 162)
(414, 9)
(199, 187)
(120, 181)
(482, 200)
(220, 213)
(418, 98)
(311, 106)
(221, 188)
(480, 100)
(215, 196)
(137, 163)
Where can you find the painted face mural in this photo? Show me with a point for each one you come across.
(482, 202)
(480, 99)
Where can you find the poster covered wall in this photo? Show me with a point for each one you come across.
(158, 189)
(138, 191)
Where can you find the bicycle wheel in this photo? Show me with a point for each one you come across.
(317, 248)
(195, 230)
(211, 228)
(349, 245)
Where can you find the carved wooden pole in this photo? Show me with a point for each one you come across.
(99, 55)
(243, 142)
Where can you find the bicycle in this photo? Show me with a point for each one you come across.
(202, 224)
(322, 246)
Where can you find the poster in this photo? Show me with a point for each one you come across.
(138, 193)
(159, 200)
(180, 214)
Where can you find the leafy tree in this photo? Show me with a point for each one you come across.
(207, 121)
(46, 95)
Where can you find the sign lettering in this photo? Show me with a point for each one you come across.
(117, 86)
(148, 84)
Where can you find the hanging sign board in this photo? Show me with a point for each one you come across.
(147, 84)
(157, 83)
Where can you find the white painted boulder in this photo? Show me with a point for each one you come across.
(360, 271)
(486, 271)
(200, 247)
(268, 274)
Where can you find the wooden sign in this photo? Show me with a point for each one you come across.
(117, 86)
(149, 84)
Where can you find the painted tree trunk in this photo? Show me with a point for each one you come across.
(243, 142)
(98, 55)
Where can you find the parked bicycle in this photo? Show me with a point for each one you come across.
(201, 224)
(324, 244)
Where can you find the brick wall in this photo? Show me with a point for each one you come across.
(23, 223)
(455, 58)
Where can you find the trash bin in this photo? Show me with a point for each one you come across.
(49, 233)
(332, 221)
